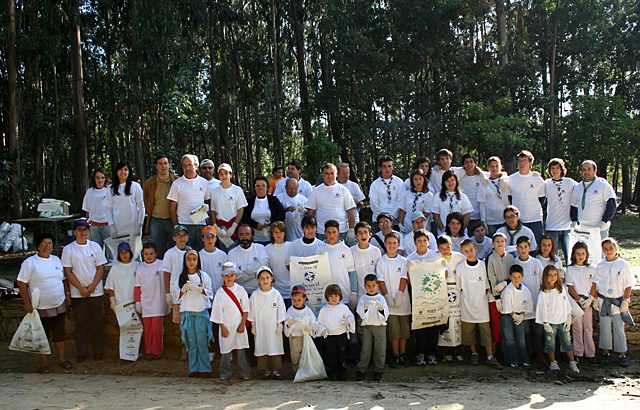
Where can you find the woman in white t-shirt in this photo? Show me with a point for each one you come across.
(261, 211)
(227, 203)
(44, 271)
(124, 204)
(418, 198)
(93, 205)
(450, 200)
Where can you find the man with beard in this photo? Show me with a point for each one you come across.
(248, 257)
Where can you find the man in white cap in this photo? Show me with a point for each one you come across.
(207, 171)
(227, 205)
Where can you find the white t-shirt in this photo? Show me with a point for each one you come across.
(372, 315)
(379, 243)
(189, 194)
(473, 285)
(299, 248)
(558, 203)
(410, 246)
(557, 263)
(266, 312)
(455, 259)
(93, 204)
(612, 278)
(304, 187)
(365, 262)
(471, 185)
(495, 196)
(211, 263)
(581, 277)
(516, 300)
(553, 307)
(125, 212)
(483, 249)
(596, 198)
(357, 194)
(437, 173)
(279, 254)
(261, 213)
(227, 201)
(341, 263)
(532, 280)
(196, 301)
(249, 260)
(384, 194)
(292, 219)
(525, 191)
(173, 263)
(449, 205)
(457, 240)
(150, 279)
(225, 311)
(430, 187)
(83, 261)
(213, 184)
(410, 202)
(390, 271)
(512, 236)
(295, 319)
(121, 280)
(47, 275)
(331, 318)
(331, 202)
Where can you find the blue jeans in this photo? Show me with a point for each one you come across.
(195, 236)
(514, 340)
(561, 236)
(536, 227)
(563, 337)
(534, 334)
(98, 234)
(161, 235)
(196, 334)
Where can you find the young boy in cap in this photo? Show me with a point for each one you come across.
(172, 264)
(211, 257)
(418, 221)
(299, 320)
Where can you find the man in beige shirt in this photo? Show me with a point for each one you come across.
(156, 188)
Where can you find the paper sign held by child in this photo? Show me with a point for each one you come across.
(430, 305)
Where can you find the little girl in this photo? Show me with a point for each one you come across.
(298, 320)
(613, 282)
(149, 297)
(267, 316)
(579, 278)
(195, 300)
(449, 200)
(230, 310)
(335, 322)
(553, 312)
(455, 229)
(279, 252)
(547, 254)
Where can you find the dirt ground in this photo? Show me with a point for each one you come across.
(162, 384)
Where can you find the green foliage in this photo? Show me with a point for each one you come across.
(320, 151)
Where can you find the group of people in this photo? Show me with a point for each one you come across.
(220, 263)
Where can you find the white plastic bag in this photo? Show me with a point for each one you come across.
(20, 244)
(30, 336)
(14, 232)
(311, 364)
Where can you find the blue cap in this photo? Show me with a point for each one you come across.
(80, 222)
(124, 246)
(417, 215)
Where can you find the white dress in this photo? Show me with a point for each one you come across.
(225, 311)
(266, 311)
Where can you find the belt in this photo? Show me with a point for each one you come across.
(94, 223)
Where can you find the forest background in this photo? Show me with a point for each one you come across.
(86, 83)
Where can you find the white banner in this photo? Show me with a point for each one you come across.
(314, 273)
(429, 298)
(453, 335)
(130, 331)
(590, 236)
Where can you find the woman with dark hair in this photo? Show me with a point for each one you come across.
(450, 200)
(124, 204)
(261, 211)
(93, 205)
(44, 271)
(423, 164)
(418, 198)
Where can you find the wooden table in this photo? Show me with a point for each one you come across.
(45, 224)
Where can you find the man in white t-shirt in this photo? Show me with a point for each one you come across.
(385, 191)
(332, 201)
(189, 193)
(248, 257)
(471, 183)
(83, 262)
(559, 189)
(207, 170)
(593, 202)
(528, 193)
(294, 170)
(344, 172)
(444, 159)
(294, 206)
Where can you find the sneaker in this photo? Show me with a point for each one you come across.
(475, 359)
(403, 361)
(359, 376)
(394, 362)
(431, 360)
(605, 359)
(573, 367)
(420, 360)
(460, 358)
(493, 362)
(377, 376)
(45, 369)
(66, 365)
(266, 375)
(624, 361)
(448, 358)
(275, 375)
(554, 366)
(513, 366)
(526, 365)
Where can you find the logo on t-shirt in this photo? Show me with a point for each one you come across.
(343, 256)
(230, 198)
(274, 305)
(337, 194)
(399, 269)
(530, 185)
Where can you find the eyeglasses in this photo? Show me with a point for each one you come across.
(383, 223)
(206, 167)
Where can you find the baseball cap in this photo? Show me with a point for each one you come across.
(299, 289)
(417, 215)
(209, 230)
(262, 269)
(206, 161)
(80, 222)
(226, 167)
(179, 228)
(229, 268)
(124, 246)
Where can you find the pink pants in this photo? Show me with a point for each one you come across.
(582, 333)
(153, 332)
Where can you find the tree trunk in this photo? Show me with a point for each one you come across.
(213, 81)
(553, 97)
(636, 193)
(301, 56)
(138, 128)
(501, 19)
(13, 135)
(277, 81)
(626, 185)
(53, 172)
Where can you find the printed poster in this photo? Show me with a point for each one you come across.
(130, 331)
(314, 273)
(453, 335)
(430, 299)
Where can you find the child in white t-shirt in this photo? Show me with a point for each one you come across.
(172, 267)
(516, 303)
(452, 258)
(365, 255)
(343, 270)
(279, 252)
(373, 310)
(547, 254)
(299, 320)
(455, 229)
(211, 257)
(580, 277)
(483, 244)
(149, 297)
(335, 322)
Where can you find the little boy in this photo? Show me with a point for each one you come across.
(308, 245)
(385, 222)
(498, 264)
(365, 255)
(453, 258)
(482, 243)
(418, 221)
(532, 269)
(343, 269)
(230, 310)
(474, 306)
(516, 303)
(211, 257)
(373, 310)
(393, 286)
(299, 320)
(172, 265)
